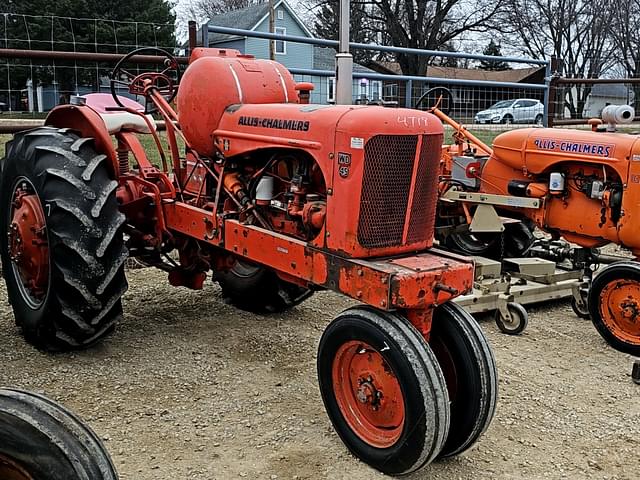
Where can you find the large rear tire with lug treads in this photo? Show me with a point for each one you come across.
(469, 368)
(614, 304)
(257, 289)
(383, 390)
(62, 247)
(40, 440)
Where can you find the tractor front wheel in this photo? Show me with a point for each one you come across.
(614, 304)
(40, 440)
(383, 390)
(257, 289)
(469, 368)
(61, 241)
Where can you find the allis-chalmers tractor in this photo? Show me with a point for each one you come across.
(278, 198)
(581, 185)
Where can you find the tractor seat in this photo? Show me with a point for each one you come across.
(115, 120)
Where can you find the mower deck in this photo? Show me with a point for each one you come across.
(526, 281)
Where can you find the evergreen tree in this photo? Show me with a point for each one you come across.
(47, 26)
(493, 49)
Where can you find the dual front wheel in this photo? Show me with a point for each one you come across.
(399, 402)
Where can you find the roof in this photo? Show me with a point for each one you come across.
(245, 18)
(324, 58)
(248, 18)
(615, 90)
(515, 75)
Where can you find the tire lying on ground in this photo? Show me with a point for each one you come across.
(62, 248)
(41, 440)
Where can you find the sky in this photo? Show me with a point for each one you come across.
(471, 42)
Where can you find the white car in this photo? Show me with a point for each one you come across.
(520, 110)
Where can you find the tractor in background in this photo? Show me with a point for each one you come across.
(579, 186)
(277, 199)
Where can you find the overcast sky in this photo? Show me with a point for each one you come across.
(471, 42)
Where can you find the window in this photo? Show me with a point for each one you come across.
(280, 15)
(331, 90)
(281, 45)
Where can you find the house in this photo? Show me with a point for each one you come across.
(468, 99)
(292, 55)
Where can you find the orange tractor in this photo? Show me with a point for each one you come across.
(580, 185)
(277, 198)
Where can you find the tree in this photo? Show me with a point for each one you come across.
(107, 26)
(576, 31)
(203, 10)
(425, 24)
(626, 37)
(326, 25)
(493, 49)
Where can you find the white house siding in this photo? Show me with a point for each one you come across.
(299, 55)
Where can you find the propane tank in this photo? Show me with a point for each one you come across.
(216, 79)
(614, 114)
(556, 183)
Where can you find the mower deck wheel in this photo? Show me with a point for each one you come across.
(40, 440)
(469, 368)
(383, 390)
(581, 310)
(514, 321)
(614, 303)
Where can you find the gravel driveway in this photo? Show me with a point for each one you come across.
(190, 388)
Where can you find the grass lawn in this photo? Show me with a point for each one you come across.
(147, 142)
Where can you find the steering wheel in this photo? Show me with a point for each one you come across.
(164, 82)
(436, 97)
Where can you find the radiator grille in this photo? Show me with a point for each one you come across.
(386, 187)
(425, 195)
(386, 183)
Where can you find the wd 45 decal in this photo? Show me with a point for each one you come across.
(567, 146)
(279, 123)
(344, 164)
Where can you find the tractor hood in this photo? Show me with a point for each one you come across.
(314, 127)
(536, 149)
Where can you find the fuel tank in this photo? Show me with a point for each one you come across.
(217, 78)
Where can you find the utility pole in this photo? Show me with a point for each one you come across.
(272, 29)
(344, 60)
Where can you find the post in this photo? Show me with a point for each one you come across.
(272, 29)
(408, 94)
(551, 93)
(344, 60)
(205, 35)
(192, 36)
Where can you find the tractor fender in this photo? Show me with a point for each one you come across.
(89, 124)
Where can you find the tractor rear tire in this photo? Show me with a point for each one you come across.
(257, 289)
(41, 440)
(469, 368)
(614, 304)
(65, 289)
